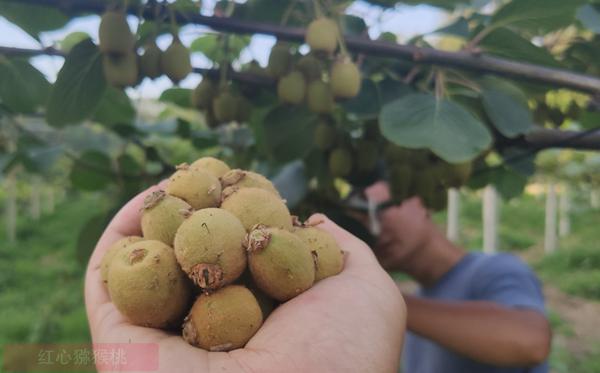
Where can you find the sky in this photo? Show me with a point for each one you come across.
(404, 21)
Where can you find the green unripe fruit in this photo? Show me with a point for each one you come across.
(120, 71)
(280, 262)
(112, 251)
(150, 61)
(322, 35)
(208, 247)
(367, 155)
(203, 94)
(279, 60)
(147, 286)
(162, 215)
(457, 175)
(224, 320)
(340, 162)
(247, 179)
(401, 177)
(225, 106)
(114, 34)
(175, 61)
(200, 189)
(345, 79)
(257, 206)
(329, 258)
(213, 165)
(291, 88)
(310, 67)
(319, 97)
(424, 186)
(325, 136)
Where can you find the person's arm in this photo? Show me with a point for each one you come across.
(483, 331)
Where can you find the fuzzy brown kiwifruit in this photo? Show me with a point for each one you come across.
(112, 251)
(208, 246)
(204, 93)
(340, 162)
(147, 286)
(223, 320)
(319, 97)
(291, 88)
(322, 35)
(257, 206)
(115, 37)
(162, 214)
(175, 61)
(329, 258)
(150, 61)
(247, 179)
(345, 79)
(122, 70)
(199, 188)
(210, 164)
(280, 262)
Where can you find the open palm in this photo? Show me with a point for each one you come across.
(352, 322)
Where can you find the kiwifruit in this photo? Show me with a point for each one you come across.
(243, 109)
(120, 71)
(329, 258)
(279, 60)
(114, 34)
(150, 61)
(254, 68)
(247, 179)
(209, 164)
(319, 97)
(311, 67)
(424, 185)
(280, 262)
(457, 175)
(225, 106)
(367, 155)
(199, 188)
(223, 320)
(203, 94)
(400, 180)
(208, 247)
(291, 88)
(175, 61)
(147, 286)
(112, 251)
(345, 79)
(162, 214)
(325, 136)
(257, 206)
(396, 154)
(340, 162)
(322, 35)
(439, 200)
(266, 303)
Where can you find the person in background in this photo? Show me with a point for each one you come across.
(474, 312)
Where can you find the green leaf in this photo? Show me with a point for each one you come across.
(506, 105)
(421, 121)
(390, 90)
(366, 104)
(72, 40)
(115, 107)
(589, 16)
(459, 28)
(211, 45)
(79, 87)
(92, 171)
(178, 96)
(538, 16)
(33, 19)
(23, 89)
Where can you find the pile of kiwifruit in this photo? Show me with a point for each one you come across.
(219, 251)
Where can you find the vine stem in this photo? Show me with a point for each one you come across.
(318, 9)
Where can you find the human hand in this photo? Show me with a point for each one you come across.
(351, 322)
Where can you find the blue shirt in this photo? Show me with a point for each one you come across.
(500, 278)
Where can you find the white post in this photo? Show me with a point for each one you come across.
(452, 227)
(550, 226)
(10, 208)
(35, 205)
(490, 219)
(564, 224)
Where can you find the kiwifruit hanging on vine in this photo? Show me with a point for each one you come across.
(247, 179)
(175, 61)
(311, 67)
(208, 247)
(114, 34)
(400, 181)
(210, 164)
(291, 88)
(223, 320)
(345, 78)
(319, 97)
(225, 106)
(150, 60)
(147, 286)
(112, 251)
(120, 71)
(279, 60)
(256, 206)
(340, 162)
(325, 136)
(439, 200)
(280, 262)
(253, 67)
(424, 184)
(243, 109)
(199, 188)
(162, 214)
(204, 93)
(457, 174)
(367, 155)
(322, 35)
(328, 257)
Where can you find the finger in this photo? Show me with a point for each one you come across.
(378, 192)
